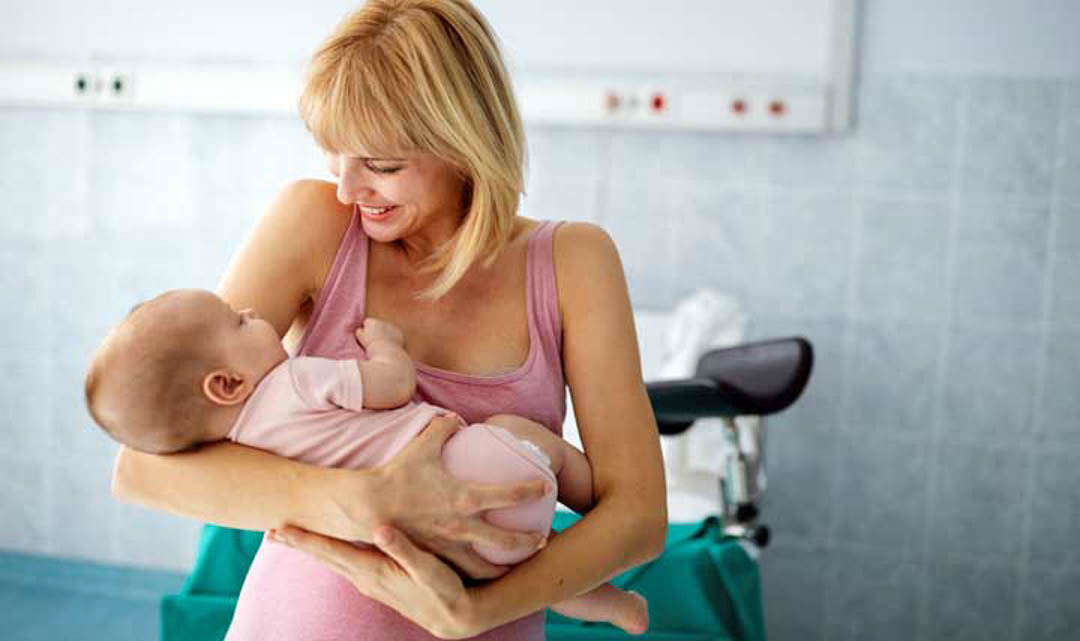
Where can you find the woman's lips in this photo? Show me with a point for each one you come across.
(376, 212)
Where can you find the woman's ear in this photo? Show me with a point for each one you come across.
(225, 387)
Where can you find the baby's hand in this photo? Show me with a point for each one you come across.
(374, 329)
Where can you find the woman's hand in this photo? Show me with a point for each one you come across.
(398, 574)
(442, 514)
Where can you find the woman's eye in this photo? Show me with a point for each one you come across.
(384, 170)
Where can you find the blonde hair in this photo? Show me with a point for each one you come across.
(427, 75)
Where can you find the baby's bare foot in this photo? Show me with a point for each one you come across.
(632, 614)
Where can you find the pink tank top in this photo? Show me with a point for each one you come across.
(298, 598)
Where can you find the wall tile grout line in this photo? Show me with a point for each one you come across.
(1041, 358)
(937, 416)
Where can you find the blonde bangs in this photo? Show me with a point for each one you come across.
(347, 107)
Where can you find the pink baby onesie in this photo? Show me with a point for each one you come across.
(312, 409)
(299, 598)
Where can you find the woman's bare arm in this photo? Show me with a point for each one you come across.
(627, 525)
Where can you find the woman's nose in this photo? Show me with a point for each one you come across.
(352, 184)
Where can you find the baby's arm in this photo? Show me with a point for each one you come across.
(388, 374)
(569, 464)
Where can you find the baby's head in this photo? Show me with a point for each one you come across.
(173, 372)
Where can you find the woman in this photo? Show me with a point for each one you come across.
(412, 103)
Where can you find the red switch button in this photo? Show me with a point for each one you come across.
(659, 103)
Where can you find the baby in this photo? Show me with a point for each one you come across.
(184, 369)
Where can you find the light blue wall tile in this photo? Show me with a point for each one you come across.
(563, 199)
(640, 224)
(1060, 404)
(902, 259)
(634, 159)
(978, 508)
(881, 494)
(82, 512)
(793, 587)
(24, 277)
(810, 164)
(1009, 134)
(990, 382)
(971, 601)
(1069, 163)
(809, 253)
(799, 504)
(253, 156)
(1050, 610)
(998, 283)
(43, 156)
(149, 538)
(907, 134)
(719, 239)
(869, 596)
(86, 281)
(141, 180)
(1065, 295)
(24, 495)
(1055, 510)
(567, 153)
(892, 384)
(1068, 231)
(729, 160)
(239, 165)
(1020, 222)
(26, 425)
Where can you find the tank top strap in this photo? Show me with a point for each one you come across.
(544, 296)
(339, 307)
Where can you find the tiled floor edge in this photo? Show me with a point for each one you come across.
(86, 576)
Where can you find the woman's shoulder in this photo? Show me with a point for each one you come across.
(311, 205)
(586, 260)
(580, 247)
(311, 215)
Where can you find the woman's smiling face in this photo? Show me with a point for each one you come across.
(399, 195)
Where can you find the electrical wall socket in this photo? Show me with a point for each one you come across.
(117, 87)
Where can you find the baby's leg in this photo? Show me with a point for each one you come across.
(626, 610)
(567, 462)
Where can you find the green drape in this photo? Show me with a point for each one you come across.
(705, 586)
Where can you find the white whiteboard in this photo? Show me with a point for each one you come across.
(781, 66)
(727, 36)
(770, 36)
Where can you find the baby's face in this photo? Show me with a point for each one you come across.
(250, 344)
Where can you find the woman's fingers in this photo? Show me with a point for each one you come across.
(462, 556)
(479, 497)
(399, 548)
(423, 567)
(477, 530)
(344, 558)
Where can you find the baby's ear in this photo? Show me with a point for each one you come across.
(225, 387)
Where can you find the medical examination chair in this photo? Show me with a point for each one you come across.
(705, 586)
